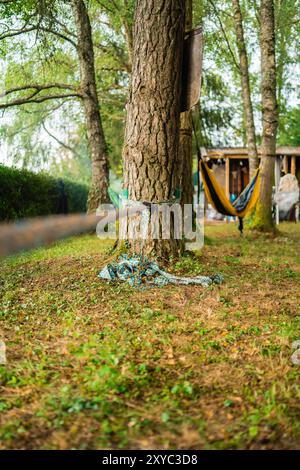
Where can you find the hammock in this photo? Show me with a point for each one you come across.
(217, 198)
(216, 195)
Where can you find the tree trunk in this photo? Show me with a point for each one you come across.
(100, 176)
(246, 92)
(150, 151)
(186, 138)
(128, 35)
(263, 216)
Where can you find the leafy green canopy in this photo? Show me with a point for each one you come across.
(46, 127)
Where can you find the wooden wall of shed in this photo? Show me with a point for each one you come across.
(219, 172)
(238, 174)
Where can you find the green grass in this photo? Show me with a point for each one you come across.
(95, 365)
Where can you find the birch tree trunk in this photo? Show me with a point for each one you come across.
(150, 153)
(246, 91)
(186, 138)
(263, 216)
(100, 176)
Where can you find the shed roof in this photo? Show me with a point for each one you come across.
(242, 152)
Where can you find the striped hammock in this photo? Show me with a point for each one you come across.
(217, 198)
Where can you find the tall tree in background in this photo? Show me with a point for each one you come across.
(186, 138)
(37, 89)
(100, 177)
(263, 216)
(287, 24)
(246, 91)
(150, 154)
(41, 89)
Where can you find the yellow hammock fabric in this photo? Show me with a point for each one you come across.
(217, 198)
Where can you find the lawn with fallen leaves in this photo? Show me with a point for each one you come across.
(93, 365)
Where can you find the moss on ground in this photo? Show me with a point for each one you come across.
(95, 365)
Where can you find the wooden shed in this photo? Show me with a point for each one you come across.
(231, 165)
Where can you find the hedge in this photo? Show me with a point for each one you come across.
(25, 194)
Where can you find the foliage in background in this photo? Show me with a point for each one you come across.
(52, 135)
(290, 135)
(221, 62)
(26, 194)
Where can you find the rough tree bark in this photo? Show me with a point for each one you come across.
(263, 215)
(246, 91)
(100, 176)
(186, 139)
(150, 151)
